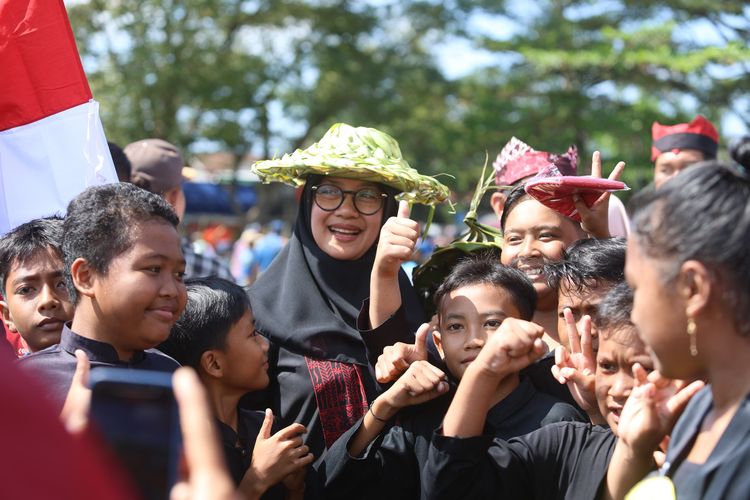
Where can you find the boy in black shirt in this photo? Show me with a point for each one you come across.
(123, 271)
(216, 335)
(474, 304)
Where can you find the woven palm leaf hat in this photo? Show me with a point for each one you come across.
(355, 153)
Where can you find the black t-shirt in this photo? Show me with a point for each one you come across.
(566, 460)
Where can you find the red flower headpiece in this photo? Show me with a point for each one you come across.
(518, 160)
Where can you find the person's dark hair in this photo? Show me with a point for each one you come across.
(587, 263)
(214, 306)
(516, 195)
(739, 150)
(23, 242)
(485, 269)
(702, 214)
(614, 310)
(121, 162)
(100, 223)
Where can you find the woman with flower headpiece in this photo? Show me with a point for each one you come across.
(308, 301)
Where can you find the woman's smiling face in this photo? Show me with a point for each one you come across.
(344, 233)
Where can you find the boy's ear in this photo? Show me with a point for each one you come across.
(212, 363)
(9, 324)
(438, 340)
(695, 285)
(83, 276)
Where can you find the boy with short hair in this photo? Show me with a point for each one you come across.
(474, 304)
(123, 272)
(216, 335)
(35, 303)
(589, 269)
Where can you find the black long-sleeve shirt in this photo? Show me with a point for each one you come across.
(390, 467)
(566, 460)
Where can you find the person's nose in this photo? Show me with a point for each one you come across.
(476, 338)
(48, 298)
(264, 344)
(171, 285)
(621, 386)
(347, 206)
(529, 248)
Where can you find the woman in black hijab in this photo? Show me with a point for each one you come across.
(308, 301)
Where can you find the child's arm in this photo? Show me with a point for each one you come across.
(274, 457)
(295, 484)
(577, 368)
(420, 383)
(513, 347)
(653, 407)
(398, 237)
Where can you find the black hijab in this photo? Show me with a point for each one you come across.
(308, 302)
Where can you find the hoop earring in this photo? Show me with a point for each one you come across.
(692, 330)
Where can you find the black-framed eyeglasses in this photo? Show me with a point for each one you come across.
(367, 201)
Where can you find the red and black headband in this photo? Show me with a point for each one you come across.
(699, 134)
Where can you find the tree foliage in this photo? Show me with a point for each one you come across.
(271, 75)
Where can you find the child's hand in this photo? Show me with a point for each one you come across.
(513, 347)
(577, 368)
(295, 484)
(398, 238)
(421, 382)
(275, 457)
(595, 219)
(75, 412)
(653, 407)
(396, 358)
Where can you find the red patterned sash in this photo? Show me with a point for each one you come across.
(340, 395)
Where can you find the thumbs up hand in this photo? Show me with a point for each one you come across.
(396, 358)
(398, 238)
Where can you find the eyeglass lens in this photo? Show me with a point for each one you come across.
(367, 201)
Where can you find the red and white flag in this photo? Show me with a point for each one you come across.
(52, 143)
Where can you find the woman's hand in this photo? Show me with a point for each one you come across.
(398, 238)
(595, 219)
(577, 368)
(652, 409)
(275, 456)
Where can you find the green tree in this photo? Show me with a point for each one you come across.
(597, 74)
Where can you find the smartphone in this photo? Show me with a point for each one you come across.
(136, 415)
